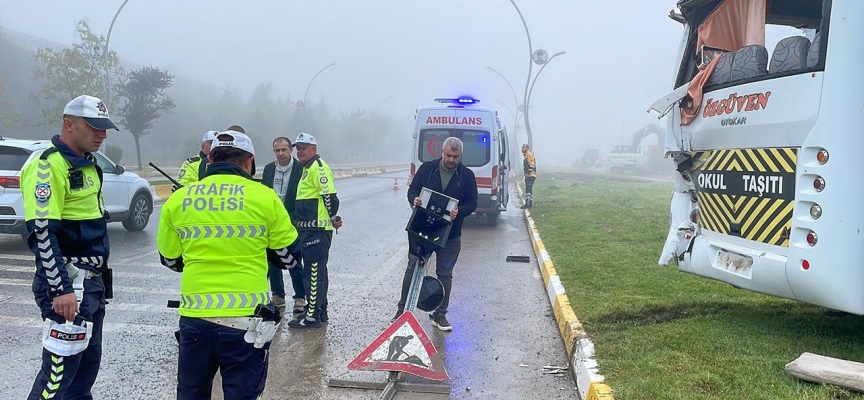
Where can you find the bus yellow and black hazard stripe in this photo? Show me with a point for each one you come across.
(749, 193)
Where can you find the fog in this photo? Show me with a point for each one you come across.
(620, 56)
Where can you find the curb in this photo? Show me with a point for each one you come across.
(161, 192)
(579, 348)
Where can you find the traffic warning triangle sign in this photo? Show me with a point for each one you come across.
(405, 347)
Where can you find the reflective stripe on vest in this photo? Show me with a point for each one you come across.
(221, 231)
(222, 300)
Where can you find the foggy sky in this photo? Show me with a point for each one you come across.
(620, 54)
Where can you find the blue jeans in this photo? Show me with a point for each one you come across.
(277, 281)
(206, 347)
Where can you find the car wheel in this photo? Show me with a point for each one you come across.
(139, 213)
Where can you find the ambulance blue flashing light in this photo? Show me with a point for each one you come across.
(464, 100)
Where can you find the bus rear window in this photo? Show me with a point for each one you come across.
(475, 143)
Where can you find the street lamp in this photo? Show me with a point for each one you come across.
(307, 92)
(382, 102)
(516, 99)
(527, 123)
(530, 65)
(105, 54)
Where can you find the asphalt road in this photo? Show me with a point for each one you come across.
(503, 328)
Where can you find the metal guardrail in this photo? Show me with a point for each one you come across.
(151, 173)
(163, 191)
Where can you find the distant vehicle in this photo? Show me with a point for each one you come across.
(127, 196)
(637, 157)
(486, 148)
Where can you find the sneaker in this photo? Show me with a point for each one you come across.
(395, 317)
(440, 322)
(303, 323)
(299, 306)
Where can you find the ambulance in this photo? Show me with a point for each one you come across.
(485, 147)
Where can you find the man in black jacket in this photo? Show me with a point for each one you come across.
(282, 176)
(449, 176)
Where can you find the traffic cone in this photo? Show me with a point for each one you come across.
(396, 184)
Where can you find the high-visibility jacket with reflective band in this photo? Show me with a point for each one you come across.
(529, 165)
(66, 223)
(221, 227)
(313, 191)
(193, 169)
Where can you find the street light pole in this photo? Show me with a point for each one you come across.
(382, 102)
(105, 54)
(527, 124)
(305, 95)
(516, 99)
(530, 65)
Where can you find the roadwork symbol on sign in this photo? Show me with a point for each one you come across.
(403, 346)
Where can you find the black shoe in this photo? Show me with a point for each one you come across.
(440, 322)
(398, 314)
(324, 317)
(303, 323)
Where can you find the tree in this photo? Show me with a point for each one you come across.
(8, 120)
(144, 100)
(71, 72)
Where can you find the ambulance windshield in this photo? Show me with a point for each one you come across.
(475, 152)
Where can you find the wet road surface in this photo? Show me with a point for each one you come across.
(503, 329)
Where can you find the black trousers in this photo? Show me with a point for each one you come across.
(529, 188)
(445, 260)
(71, 377)
(315, 252)
(206, 347)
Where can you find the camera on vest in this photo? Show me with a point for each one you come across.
(76, 178)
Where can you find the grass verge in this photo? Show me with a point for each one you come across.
(664, 334)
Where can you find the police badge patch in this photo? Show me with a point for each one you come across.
(182, 172)
(323, 180)
(43, 192)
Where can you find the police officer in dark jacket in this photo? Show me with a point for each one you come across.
(65, 215)
(282, 176)
(449, 176)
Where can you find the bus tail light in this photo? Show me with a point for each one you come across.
(822, 157)
(819, 184)
(815, 211)
(694, 216)
(812, 238)
(805, 264)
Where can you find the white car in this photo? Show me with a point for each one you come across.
(127, 196)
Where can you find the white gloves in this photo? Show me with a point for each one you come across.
(262, 334)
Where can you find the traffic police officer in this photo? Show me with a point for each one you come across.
(64, 213)
(315, 211)
(194, 168)
(220, 233)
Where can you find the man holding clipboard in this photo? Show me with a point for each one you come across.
(446, 175)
